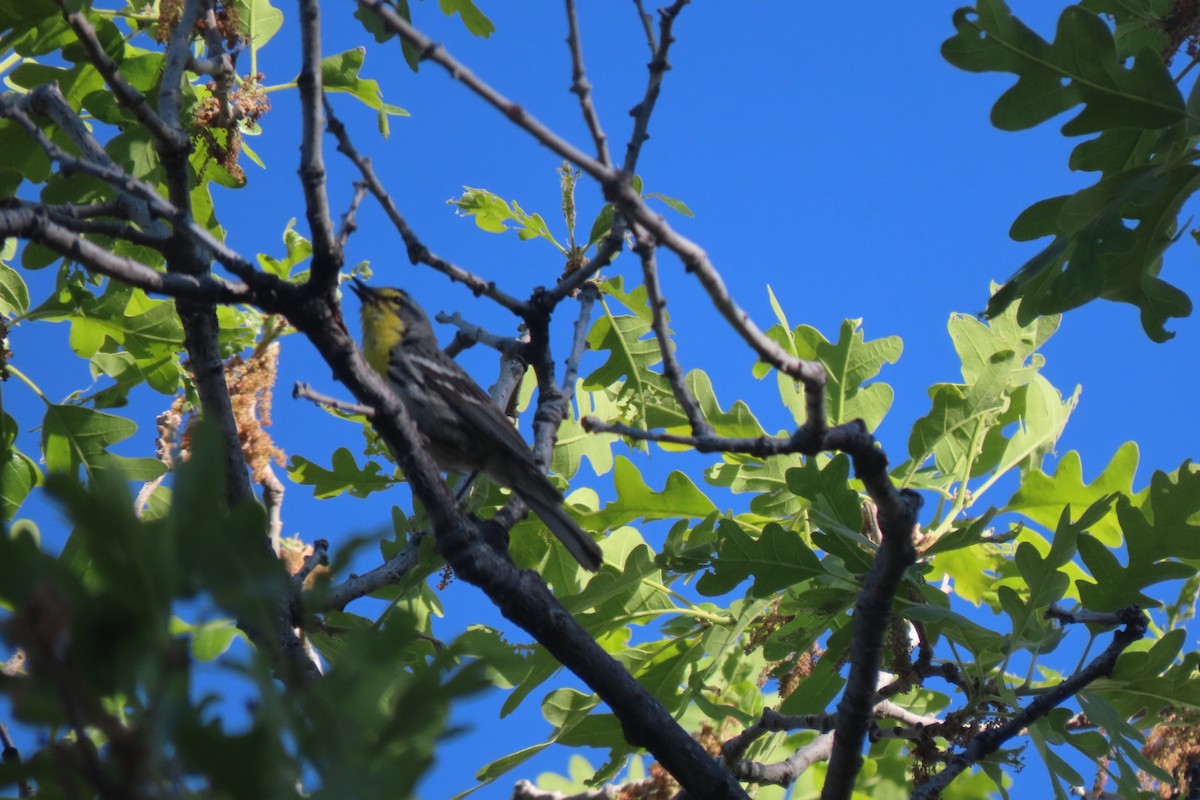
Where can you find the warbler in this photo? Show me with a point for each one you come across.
(465, 429)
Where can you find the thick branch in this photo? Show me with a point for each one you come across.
(482, 560)
(29, 222)
(48, 100)
(388, 573)
(179, 52)
(897, 513)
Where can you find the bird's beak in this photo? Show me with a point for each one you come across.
(363, 291)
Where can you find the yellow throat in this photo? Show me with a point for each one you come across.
(382, 330)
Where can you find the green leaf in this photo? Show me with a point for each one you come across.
(573, 443)
(777, 558)
(1163, 529)
(299, 250)
(19, 473)
(635, 500)
(494, 214)
(824, 486)
(766, 478)
(344, 475)
(209, 640)
(985, 645)
(817, 690)
(643, 395)
(602, 225)
(738, 422)
(1108, 244)
(1152, 695)
(1139, 23)
(149, 330)
(473, 19)
(1043, 498)
(258, 21)
(677, 206)
(566, 710)
(965, 431)
(1126, 746)
(14, 294)
(340, 74)
(1042, 574)
(1081, 66)
(849, 364)
(1098, 252)
(74, 437)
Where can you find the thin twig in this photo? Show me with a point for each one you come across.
(606, 251)
(647, 25)
(1083, 616)
(106, 227)
(126, 95)
(349, 219)
(760, 446)
(302, 391)
(474, 333)
(587, 299)
(219, 65)
(989, 741)
(618, 189)
(582, 89)
(658, 67)
(318, 558)
(179, 51)
(418, 253)
(645, 248)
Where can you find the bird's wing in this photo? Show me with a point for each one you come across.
(475, 406)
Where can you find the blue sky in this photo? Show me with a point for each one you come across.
(827, 151)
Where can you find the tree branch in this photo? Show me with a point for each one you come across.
(128, 97)
(349, 219)
(582, 89)
(658, 67)
(587, 298)
(990, 741)
(388, 573)
(647, 25)
(48, 100)
(617, 189)
(418, 253)
(29, 221)
(475, 333)
(645, 249)
(478, 555)
(327, 257)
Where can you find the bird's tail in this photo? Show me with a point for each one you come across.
(578, 543)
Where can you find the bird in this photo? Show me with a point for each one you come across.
(466, 431)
